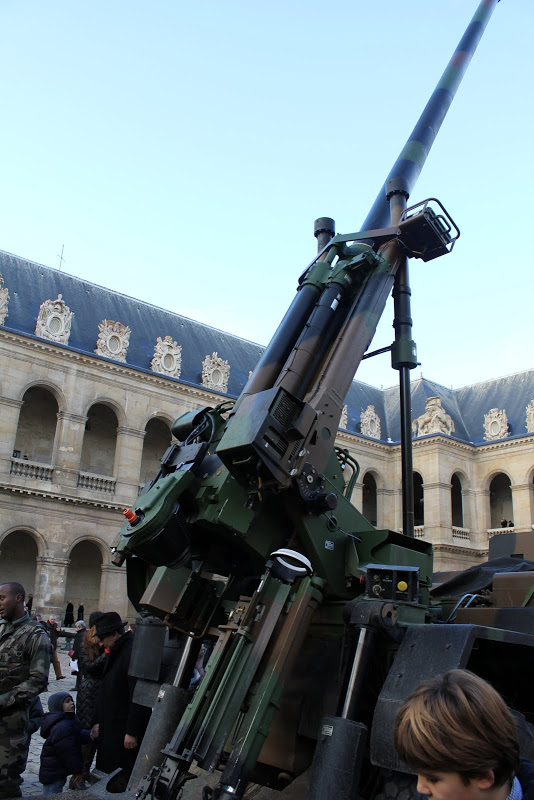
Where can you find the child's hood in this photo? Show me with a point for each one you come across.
(51, 718)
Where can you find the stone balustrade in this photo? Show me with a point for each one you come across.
(461, 533)
(97, 483)
(495, 531)
(23, 468)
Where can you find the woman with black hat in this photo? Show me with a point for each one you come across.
(121, 723)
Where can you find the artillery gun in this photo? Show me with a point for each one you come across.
(246, 545)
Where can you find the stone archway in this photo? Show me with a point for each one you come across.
(457, 509)
(99, 441)
(500, 497)
(369, 503)
(18, 552)
(84, 576)
(157, 440)
(36, 428)
(418, 500)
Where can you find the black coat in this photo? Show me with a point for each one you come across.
(68, 622)
(526, 778)
(77, 644)
(91, 671)
(116, 714)
(62, 751)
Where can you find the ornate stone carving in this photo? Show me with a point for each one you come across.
(530, 417)
(4, 300)
(370, 423)
(113, 340)
(54, 321)
(495, 425)
(167, 357)
(215, 373)
(344, 421)
(434, 419)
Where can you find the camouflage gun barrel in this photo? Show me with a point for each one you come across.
(361, 319)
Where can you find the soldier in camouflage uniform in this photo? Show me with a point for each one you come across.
(24, 666)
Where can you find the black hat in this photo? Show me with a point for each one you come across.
(94, 616)
(108, 623)
(56, 700)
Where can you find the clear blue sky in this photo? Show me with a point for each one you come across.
(180, 152)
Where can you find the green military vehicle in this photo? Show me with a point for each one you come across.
(245, 557)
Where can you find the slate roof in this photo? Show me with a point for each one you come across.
(30, 284)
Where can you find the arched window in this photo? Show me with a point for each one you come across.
(157, 439)
(501, 508)
(18, 552)
(369, 505)
(418, 500)
(36, 428)
(100, 437)
(456, 502)
(83, 577)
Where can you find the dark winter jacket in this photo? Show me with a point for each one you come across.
(62, 751)
(53, 632)
(87, 697)
(116, 714)
(36, 714)
(77, 645)
(526, 778)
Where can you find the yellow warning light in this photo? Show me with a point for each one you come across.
(402, 586)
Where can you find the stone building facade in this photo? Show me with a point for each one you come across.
(91, 381)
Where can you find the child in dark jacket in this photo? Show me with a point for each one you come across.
(62, 751)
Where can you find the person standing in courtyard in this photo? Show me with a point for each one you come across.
(52, 628)
(80, 613)
(457, 734)
(120, 723)
(61, 755)
(24, 666)
(68, 622)
(91, 663)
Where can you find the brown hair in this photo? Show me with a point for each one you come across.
(457, 722)
(91, 644)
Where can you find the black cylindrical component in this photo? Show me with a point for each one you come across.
(406, 452)
(403, 336)
(280, 346)
(335, 771)
(318, 334)
(167, 712)
(324, 229)
(147, 650)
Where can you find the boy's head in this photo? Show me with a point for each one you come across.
(458, 723)
(61, 701)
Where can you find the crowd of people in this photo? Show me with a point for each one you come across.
(106, 721)
(454, 732)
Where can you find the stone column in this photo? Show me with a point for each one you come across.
(521, 500)
(127, 469)
(357, 496)
(113, 591)
(9, 417)
(50, 580)
(481, 519)
(386, 505)
(68, 448)
(438, 512)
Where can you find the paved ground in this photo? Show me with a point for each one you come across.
(31, 785)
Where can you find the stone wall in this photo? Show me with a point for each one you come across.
(103, 428)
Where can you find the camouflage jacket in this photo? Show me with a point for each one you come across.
(24, 661)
